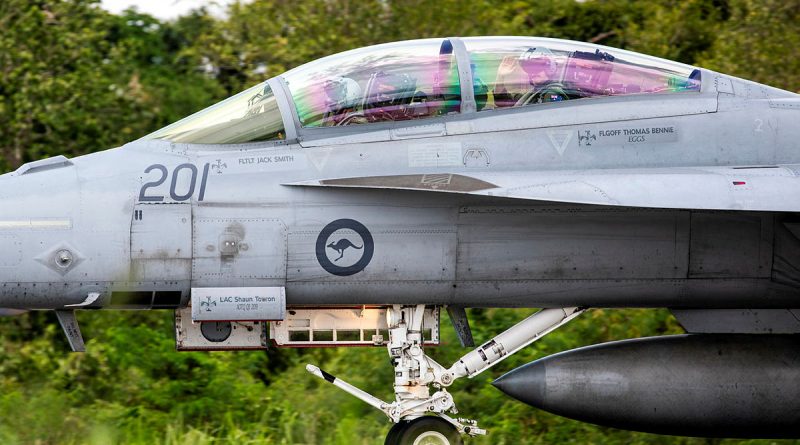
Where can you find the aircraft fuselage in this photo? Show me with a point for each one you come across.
(143, 224)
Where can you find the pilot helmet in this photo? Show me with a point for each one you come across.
(537, 61)
(391, 88)
(342, 92)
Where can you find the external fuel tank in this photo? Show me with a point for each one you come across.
(742, 386)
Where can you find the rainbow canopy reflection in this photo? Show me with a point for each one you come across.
(420, 79)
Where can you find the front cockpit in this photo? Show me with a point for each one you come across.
(393, 82)
(424, 79)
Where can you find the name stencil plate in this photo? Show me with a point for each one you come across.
(238, 303)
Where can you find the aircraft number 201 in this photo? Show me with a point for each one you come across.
(174, 193)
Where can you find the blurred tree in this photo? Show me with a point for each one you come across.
(57, 95)
(597, 21)
(759, 42)
(262, 39)
(165, 83)
(677, 30)
(76, 79)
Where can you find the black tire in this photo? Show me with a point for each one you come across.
(394, 433)
(430, 430)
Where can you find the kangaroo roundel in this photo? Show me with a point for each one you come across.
(344, 247)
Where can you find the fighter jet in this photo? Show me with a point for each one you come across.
(348, 201)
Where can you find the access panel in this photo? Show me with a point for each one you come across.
(161, 242)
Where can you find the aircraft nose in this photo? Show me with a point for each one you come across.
(527, 383)
(38, 207)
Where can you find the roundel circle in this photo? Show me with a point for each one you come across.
(344, 247)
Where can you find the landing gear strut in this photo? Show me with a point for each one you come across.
(420, 417)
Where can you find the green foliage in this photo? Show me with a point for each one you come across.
(75, 79)
(759, 43)
(131, 387)
(47, 51)
(678, 30)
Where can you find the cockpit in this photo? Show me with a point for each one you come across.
(394, 82)
(423, 79)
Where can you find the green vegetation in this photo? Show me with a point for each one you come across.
(75, 79)
(131, 387)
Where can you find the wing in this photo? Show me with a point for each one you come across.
(761, 188)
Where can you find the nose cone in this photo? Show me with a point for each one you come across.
(65, 228)
(526, 383)
(38, 206)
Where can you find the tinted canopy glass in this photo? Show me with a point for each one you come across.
(249, 116)
(392, 82)
(420, 79)
(513, 72)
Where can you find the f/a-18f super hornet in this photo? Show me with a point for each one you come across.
(349, 200)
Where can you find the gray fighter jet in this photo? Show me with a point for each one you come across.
(347, 201)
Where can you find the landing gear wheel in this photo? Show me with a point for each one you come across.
(394, 433)
(428, 430)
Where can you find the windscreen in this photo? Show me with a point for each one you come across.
(249, 116)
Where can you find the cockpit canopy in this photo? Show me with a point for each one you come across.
(515, 72)
(422, 79)
(393, 82)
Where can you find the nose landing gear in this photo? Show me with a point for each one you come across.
(420, 418)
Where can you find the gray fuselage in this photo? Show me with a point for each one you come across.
(139, 226)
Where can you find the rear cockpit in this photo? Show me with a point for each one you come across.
(514, 72)
(424, 79)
